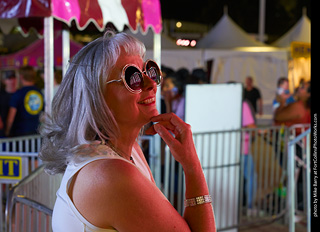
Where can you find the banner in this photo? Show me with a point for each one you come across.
(300, 49)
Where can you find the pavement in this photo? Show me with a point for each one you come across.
(275, 226)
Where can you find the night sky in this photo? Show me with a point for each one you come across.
(281, 15)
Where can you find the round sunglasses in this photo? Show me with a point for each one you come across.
(133, 79)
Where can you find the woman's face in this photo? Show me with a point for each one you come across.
(303, 91)
(130, 109)
(168, 84)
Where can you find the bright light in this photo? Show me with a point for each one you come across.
(186, 42)
(178, 24)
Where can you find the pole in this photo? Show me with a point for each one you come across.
(262, 11)
(157, 141)
(65, 50)
(48, 63)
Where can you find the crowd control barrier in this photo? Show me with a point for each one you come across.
(247, 190)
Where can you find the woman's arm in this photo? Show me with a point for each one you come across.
(115, 194)
(288, 112)
(200, 217)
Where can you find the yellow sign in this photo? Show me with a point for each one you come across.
(300, 49)
(10, 167)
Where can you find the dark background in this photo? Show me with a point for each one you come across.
(281, 15)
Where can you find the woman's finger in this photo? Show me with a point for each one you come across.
(166, 136)
(167, 124)
(174, 119)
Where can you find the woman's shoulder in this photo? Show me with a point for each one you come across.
(86, 153)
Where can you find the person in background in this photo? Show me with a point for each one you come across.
(297, 112)
(249, 173)
(26, 104)
(282, 90)
(8, 87)
(173, 94)
(198, 76)
(106, 96)
(39, 82)
(253, 94)
(166, 71)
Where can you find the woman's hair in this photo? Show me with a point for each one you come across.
(80, 114)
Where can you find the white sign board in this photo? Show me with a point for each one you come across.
(213, 111)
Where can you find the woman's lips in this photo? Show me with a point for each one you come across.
(147, 101)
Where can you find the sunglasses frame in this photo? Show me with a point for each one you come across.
(142, 72)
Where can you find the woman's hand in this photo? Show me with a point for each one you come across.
(180, 139)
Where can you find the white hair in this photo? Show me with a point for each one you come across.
(80, 114)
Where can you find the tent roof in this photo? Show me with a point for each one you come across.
(300, 32)
(147, 39)
(227, 34)
(34, 54)
(133, 13)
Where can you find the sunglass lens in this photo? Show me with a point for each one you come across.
(153, 71)
(133, 78)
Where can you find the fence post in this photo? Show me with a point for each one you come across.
(308, 154)
(291, 200)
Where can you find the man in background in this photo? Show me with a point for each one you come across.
(253, 95)
(26, 105)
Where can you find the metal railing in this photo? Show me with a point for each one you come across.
(39, 187)
(299, 186)
(30, 215)
(36, 193)
(242, 196)
(19, 157)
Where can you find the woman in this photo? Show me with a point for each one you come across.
(98, 111)
(172, 92)
(297, 112)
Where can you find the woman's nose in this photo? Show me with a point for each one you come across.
(148, 83)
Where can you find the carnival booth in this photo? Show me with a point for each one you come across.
(33, 55)
(43, 15)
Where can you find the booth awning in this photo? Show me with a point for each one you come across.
(26, 13)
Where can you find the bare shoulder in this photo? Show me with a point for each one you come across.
(106, 190)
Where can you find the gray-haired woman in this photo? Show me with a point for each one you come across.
(105, 98)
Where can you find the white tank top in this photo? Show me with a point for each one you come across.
(65, 216)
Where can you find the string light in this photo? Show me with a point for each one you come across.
(186, 42)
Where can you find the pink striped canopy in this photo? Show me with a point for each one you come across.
(26, 13)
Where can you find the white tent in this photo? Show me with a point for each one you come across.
(299, 38)
(227, 34)
(264, 66)
(235, 55)
(301, 32)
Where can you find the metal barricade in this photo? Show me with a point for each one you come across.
(248, 187)
(39, 187)
(299, 185)
(18, 158)
(36, 193)
(30, 216)
(242, 196)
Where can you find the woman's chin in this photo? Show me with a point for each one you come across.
(152, 114)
